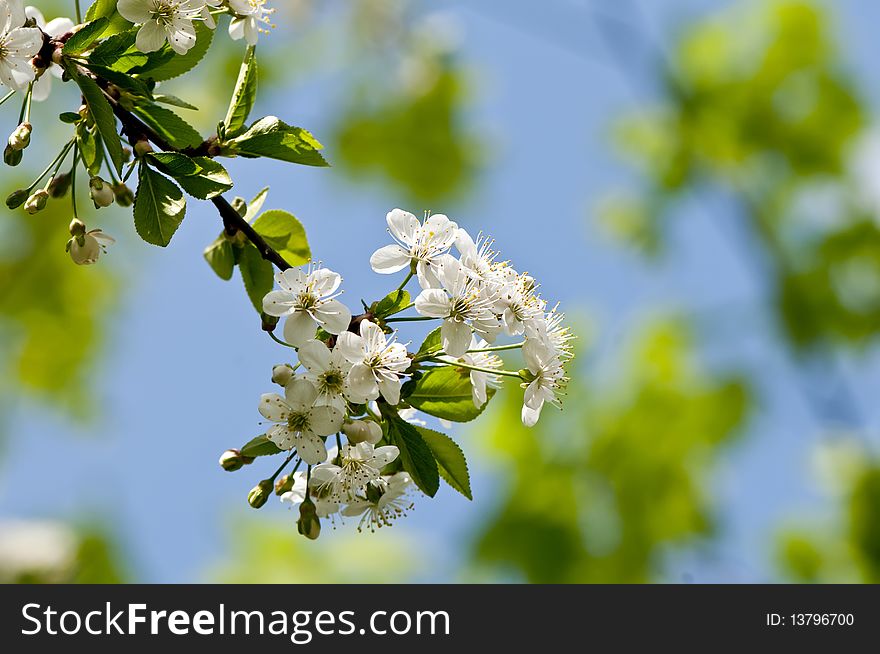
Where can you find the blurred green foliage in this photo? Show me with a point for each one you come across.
(600, 489)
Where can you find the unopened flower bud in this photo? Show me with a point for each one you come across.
(77, 228)
(126, 155)
(124, 195)
(17, 198)
(57, 55)
(284, 484)
(36, 202)
(21, 137)
(59, 185)
(308, 524)
(240, 205)
(100, 192)
(142, 148)
(12, 157)
(232, 460)
(362, 431)
(281, 374)
(269, 322)
(260, 493)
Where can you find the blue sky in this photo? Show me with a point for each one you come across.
(180, 377)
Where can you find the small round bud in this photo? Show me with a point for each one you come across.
(57, 55)
(83, 112)
(17, 198)
(59, 185)
(36, 202)
(11, 156)
(269, 322)
(281, 374)
(231, 460)
(308, 524)
(284, 484)
(126, 155)
(124, 195)
(21, 137)
(260, 494)
(240, 205)
(101, 192)
(362, 431)
(77, 228)
(142, 148)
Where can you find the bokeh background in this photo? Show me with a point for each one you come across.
(698, 184)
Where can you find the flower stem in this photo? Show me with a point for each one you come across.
(499, 348)
(56, 164)
(6, 97)
(491, 371)
(78, 12)
(279, 341)
(283, 465)
(26, 105)
(406, 279)
(73, 179)
(410, 319)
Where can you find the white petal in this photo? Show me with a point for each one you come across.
(278, 303)
(300, 394)
(384, 455)
(350, 346)
(292, 279)
(334, 316)
(236, 29)
(403, 225)
(150, 37)
(355, 508)
(315, 356)
(533, 397)
(281, 435)
(361, 380)
(137, 11)
(456, 337)
(389, 259)
(182, 38)
(42, 87)
(273, 407)
(325, 281)
(325, 420)
(58, 26)
(310, 447)
(299, 328)
(530, 416)
(251, 33)
(433, 303)
(390, 390)
(374, 337)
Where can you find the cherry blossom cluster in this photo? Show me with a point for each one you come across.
(351, 369)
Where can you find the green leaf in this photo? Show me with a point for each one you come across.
(394, 302)
(159, 207)
(176, 65)
(201, 177)
(257, 274)
(259, 446)
(285, 234)
(69, 117)
(83, 39)
(101, 8)
(450, 458)
(117, 52)
(220, 257)
(107, 9)
(273, 138)
(122, 80)
(415, 455)
(174, 101)
(89, 148)
(432, 342)
(169, 126)
(244, 95)
(446, 393)
(254, 206)
(102, 114)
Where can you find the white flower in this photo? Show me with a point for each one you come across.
(360, 464)
(207, 18)
(324, 508)
(549, 331)
(423, 245)
(94, 242)
(362, 431)
(161, 21)
(328, 371)
(378, 363)
(548, 378)
(301, 424)
(477, 257)
(462, 303)
(381, 506)
(307, 299)
(517, 303)
(54, 28)
(249, 15)
(18, 45)
(480, 381)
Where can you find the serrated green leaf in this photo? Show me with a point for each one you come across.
(432, 342)
(107, 9)
(446, 393)
(169, 126)
(105, 121)
(84, 38)
(201, 177)
(101, 8)
(161, 68)
(256, 273)
(121, 80)
(255, 205)
(174, 101)
(259, 446)
(175, 164)
(69, 117)
(271, 137)
(220, 257)
(117, 52)
(394, 302)
(450, 459)
(415, 455)
(159, 207)
(285, 234)
(244, 95)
